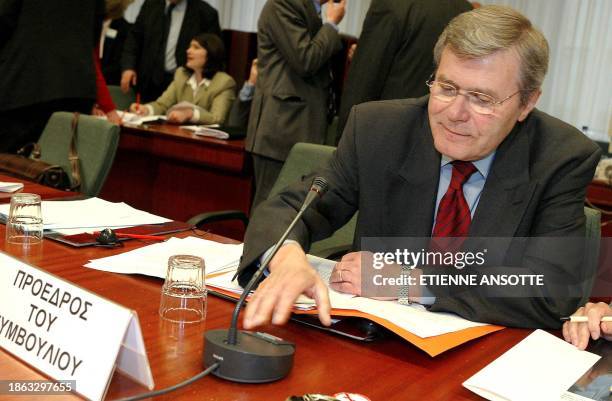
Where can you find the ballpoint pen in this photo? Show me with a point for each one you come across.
(584, 319)
(134, 236)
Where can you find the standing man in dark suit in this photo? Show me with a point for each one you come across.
(473, 159)
(290, 102)
(157, 42)
(394, 54)
(46, 64)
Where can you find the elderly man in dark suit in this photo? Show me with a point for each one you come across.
(291, 94)
(473, 159)
(157, 42)
(395, 51)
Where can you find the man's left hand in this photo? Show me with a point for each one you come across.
(346, 275)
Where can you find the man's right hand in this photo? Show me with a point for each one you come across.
(579, 333)
(128, 79)
(290, 276)
(335, 11)
(253, 73)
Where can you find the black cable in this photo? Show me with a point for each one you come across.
(172, 388)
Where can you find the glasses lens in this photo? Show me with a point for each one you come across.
(443, 91)
(481, 103)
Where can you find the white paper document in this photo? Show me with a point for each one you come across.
(136, 119)
(541, 367)
(94, 214)
(413, 318)
(323, 266)
(10, 186)
(152, 260)
(208, 131)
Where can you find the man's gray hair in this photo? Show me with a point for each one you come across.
(485, 30)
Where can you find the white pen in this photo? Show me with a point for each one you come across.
(584, 319)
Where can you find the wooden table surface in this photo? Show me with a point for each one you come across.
(383, 370)
(169, 171)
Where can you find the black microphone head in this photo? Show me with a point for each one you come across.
(320, 186)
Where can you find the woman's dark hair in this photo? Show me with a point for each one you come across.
(215, 53)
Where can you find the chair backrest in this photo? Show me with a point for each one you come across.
(591, 252)
(96, 143)
(122, 100)
(303, 159)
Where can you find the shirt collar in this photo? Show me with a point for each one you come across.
(483, 165)
(317, 4)
(194, 85)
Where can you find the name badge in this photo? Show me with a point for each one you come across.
(68, 332)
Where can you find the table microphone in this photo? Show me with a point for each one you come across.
(255, 357)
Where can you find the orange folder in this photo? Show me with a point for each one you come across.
(433, 346)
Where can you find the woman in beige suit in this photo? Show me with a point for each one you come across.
(200, 92)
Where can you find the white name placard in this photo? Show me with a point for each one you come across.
(67, 332)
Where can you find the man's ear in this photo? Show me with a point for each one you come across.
(531, 102)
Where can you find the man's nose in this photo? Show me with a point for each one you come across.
(459, 108)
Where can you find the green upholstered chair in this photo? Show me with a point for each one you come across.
(303, 159)
(96, 143)
(591, 252)
(122, 100)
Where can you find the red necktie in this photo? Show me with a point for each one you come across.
(453, 218)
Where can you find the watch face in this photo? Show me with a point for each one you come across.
(350, 397)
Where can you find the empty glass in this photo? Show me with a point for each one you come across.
(24, 225)
(183, 296)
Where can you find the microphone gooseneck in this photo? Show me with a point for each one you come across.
(318, 188)
(255, 357)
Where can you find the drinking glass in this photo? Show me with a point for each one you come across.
(183, 296)
(24, 225)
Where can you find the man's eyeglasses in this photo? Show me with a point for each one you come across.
(481, 103)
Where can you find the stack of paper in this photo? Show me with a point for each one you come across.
(135, 119)
(541, 367)
(152, 260)
(423, 328)
(10, 186)
(208, 131)
(324, 267)
(94, 214)
(413, 318)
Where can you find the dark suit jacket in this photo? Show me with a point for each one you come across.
(113, 50)
(394, 55)
(143, 49)
(290, 101)
(46, 50)
(535, 188)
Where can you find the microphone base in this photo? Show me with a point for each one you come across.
(255, 358)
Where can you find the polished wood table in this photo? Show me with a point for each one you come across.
(387, 369)
(383, 370)
(169, 171)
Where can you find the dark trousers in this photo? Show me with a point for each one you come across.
(266, 172)
(19, 127)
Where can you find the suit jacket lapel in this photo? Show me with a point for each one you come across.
(507, 190)
(201, 95)
(416, 187)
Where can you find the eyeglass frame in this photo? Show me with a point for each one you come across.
(431, 81)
